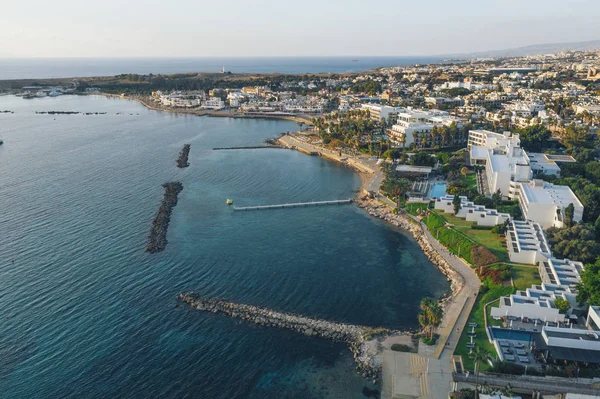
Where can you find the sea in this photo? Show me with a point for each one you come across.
(86, 312)
(39, 68)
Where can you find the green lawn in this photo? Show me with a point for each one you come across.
(486, 238)
(524, 277)
(471, 179)
(413, 207)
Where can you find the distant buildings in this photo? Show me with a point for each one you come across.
(381, 111)
(415, 126)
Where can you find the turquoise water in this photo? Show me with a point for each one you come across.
(86, 312)
(437, 190)
(501, 333)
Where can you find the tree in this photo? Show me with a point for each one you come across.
(401, 186)
(533, 137)
(575, 136)
(562, 305)
(464, 171)
(577, 242)
(588, 290)
(478, 355)
(569, 214)
(456, 203)
(430, 315)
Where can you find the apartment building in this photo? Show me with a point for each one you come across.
(564, 272)
(527, 242)
(415, 126)
(534, 303)
(378, 112)
(478, 214)
(545, 203)
(485, 138)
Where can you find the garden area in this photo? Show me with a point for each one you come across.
(476, 245)
(492, 289)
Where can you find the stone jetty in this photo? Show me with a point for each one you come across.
(157, 241)
(363, 341)
(182, 161)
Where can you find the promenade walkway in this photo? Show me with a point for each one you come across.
(437, 381)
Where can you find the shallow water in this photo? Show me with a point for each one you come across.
(86, 312)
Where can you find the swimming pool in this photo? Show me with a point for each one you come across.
(437, 190)
(501, 333)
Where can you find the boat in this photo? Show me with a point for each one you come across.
(229, 201)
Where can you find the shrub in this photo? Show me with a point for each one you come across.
(479, 227)
(481, 256)
(430, 341)
(401, 348)
(496, 274)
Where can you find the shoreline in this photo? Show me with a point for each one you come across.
(369, 200)
(368, 174)
(207, 112)
(378, 206)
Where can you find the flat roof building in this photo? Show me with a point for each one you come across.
(378, 112)
(545, 203)
(527, 242)
(564, 272)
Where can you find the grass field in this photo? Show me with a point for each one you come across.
(471, 179)
(486, 238)
(524, 277)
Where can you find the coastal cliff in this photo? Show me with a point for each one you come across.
(361, 340)
(157, 240)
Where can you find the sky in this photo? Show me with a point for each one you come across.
(191, 28)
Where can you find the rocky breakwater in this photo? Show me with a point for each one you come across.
(182, 161)
(381, 211)
(363, 341)
(157, 241)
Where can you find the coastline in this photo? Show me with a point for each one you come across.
(381, 207)
(206, 112)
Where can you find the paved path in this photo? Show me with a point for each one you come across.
(436, 382)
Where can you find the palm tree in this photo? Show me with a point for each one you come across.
(430, 315)
(478, 355)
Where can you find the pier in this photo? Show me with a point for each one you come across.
(292, 205)
(253, 147)
(356, 337)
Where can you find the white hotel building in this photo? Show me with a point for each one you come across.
(562, 272)
(381, 111)
(414, 125)
(545, 203)
(527, 242)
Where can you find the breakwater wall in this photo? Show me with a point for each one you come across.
(157, 240)
(361, 340)
(182, 161)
